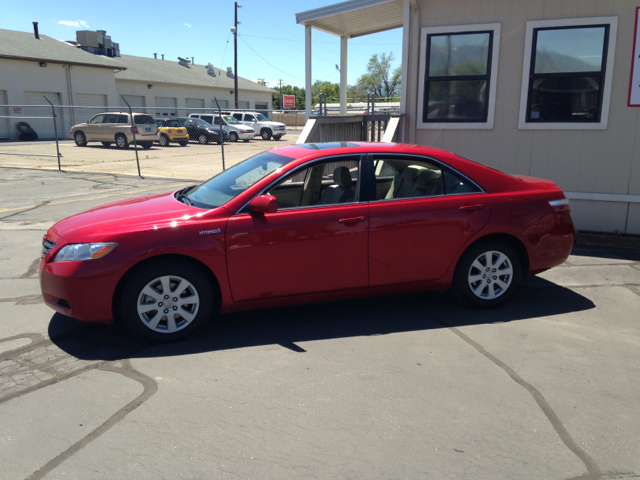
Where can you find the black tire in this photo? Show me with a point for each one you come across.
(164, 141)
(203, 139)
(265, 134)
(80, 138)
(277, 137)
(233, 137)
(150, 279)
(183, 143)
(106, 144)
(497, 287)
(246, 141)
(146, 145)
(121, 141)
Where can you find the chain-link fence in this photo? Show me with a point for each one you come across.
(189, 143)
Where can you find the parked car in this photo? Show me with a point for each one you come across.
(172, 130)
(115, 127)
(261, 124)
(390, 217)
(237, 131)
(202, 131)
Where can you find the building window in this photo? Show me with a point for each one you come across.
(567, 73)
(457, 76)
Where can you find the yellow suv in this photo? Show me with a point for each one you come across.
(172, 131)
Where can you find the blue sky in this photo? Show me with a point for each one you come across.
(270, 43)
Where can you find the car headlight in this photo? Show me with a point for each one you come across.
(84, 251)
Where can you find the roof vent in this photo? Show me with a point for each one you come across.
(210, 70)
(155, 55)
(183, 61)
(229, 72)
(162, 55)
(35, 31)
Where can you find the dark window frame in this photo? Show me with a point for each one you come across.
(441, 78)
(535, 76)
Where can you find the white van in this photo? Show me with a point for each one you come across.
(237, 131)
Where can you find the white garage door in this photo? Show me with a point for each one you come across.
(41, 118)
(88, 105)
(222, 103)
(194, 105)
(242, 105)
(165, 107)
(136, 102)
(4, 112)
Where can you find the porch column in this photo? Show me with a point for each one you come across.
(307, 76)
(343, 75)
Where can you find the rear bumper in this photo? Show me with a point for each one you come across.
(549, 242)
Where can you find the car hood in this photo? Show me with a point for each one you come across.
(134, 214)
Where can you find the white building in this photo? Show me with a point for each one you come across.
(31, 68)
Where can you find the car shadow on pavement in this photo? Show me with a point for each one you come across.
(290, 326)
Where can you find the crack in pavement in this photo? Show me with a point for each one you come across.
(593, 471)
(32, 270)
(24, 300)
(26, 209)
(56, 366)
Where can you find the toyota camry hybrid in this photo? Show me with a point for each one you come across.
(306, 223)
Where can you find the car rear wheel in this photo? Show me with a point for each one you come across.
(183, 143)
(166, 301)
(164, 141)
(121, 141)
(277, 137)
(233, 136)
(202, 139)
(487, 274)
(106, 144)
(146, 145)
(266, 134)
(80, 139)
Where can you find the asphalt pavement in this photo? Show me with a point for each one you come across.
(405, 386)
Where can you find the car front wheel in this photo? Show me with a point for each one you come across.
(166, 301)
(266, 134)
(202, 139)
(277, 137)
(121, 141)
(487, 274)
(80, 139)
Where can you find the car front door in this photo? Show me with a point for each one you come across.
(192, 129)
(93, 130)
(423, 213)
(311, 245)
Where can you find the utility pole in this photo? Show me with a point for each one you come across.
(235, 54)
(281, 103)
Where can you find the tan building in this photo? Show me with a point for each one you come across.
(31, 68)
(533, 87)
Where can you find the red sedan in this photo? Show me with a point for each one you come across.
(306, 223)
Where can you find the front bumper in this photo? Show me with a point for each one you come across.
(82, 290)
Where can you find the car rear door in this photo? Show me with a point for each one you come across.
(300, 250)
(416, 229)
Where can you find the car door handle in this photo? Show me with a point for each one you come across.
(351, 220)
(472, 208)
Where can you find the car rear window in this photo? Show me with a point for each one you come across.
(143, 119)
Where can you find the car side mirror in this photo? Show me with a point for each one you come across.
(264, 204)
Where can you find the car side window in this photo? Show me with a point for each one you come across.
(122, 119)
(97, 119)
(237, 116)
(398, 178)
(249, 118)
(455, 184)
(326, 183)
(110, 118)
(187, 123)
(217, 121)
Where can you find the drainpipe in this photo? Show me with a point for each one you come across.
(70, 95)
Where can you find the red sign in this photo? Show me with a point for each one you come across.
(288, 101)
(17, 110)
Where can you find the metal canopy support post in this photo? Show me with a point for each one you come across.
(133, 130)
(55, 129)
(343, 76)
(308, 98)
(221, 131)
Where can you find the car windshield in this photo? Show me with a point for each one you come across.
(201, 123)
(230, 119)
(261, 118)
(229, 184)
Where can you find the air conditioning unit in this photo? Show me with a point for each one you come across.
(183, 61)
(210, 70)
(230, 72)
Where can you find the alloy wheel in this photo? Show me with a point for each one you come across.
(490, 275)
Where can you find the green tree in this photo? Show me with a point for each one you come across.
(380, 79)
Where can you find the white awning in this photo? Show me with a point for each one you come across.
(355, 18)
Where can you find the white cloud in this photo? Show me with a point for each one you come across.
(187, 25)
(72, 23)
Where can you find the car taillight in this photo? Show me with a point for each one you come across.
(561, 205)
(134, 129)
(169, 131)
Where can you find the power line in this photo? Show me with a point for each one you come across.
(267, 61)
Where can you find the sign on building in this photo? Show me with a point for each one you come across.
(634, 88)
(289, 101)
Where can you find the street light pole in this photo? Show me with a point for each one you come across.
(235, 55)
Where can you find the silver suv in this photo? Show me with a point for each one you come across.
(261, 124)
(115, 127)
